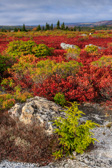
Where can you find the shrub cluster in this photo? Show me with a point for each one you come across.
(73, 52)
(19, 48)
(105, 60)
(25, 143)
(59, 98)
(91, 49)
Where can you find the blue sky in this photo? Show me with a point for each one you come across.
(34, 12)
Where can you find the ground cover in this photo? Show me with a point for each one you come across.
(87, 78)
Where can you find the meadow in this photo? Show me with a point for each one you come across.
(34, 64)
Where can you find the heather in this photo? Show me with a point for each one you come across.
(34, 64)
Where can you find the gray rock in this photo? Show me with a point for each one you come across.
(67, 46)
(41, 111)
(83, 35)
(38, 110)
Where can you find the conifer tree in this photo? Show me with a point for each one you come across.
(47, 26)
(38, 28)
(15, 29)
(67, 28)
(51, 26)
(74, 28)
(63, 26)
(23, 28)
(58, 24)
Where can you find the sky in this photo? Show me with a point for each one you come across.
(35, 12)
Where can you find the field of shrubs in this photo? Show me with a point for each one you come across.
(34, 64)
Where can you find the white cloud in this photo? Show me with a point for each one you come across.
(42, 11)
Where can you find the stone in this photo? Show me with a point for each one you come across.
(42, 111)
(67, 46)
(83, 35)
(38, 110)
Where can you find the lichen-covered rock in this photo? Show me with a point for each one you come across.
(41, 111)
(67, 46)
(38, 110)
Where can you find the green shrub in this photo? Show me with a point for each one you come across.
(72, 135)
(42, 50)
(105, 60)
(6, 101)
(73, 52)
(5, 62)
(7, 83)
(7, 104)
(91, 49)
(59, 98)
(44, 69)
(21, 97)
(19, 48)
(48, 67)
(65, 69)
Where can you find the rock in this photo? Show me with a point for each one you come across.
(67, 46)
(41, 111)
(83, 35)
(101, 155)
(38, 110)
(95, 112)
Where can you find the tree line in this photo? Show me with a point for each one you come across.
(57, 26)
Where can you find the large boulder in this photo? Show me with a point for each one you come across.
(38, 110)
(67, 46)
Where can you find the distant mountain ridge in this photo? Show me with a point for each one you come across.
(81, 24)
(91, 24)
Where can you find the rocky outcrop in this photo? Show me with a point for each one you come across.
(38, 110)
(67, 46)
(41, 111)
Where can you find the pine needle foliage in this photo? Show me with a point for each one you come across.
(73, 136)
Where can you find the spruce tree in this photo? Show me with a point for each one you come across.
(51, 26)
(38, 28)
(67, 28)
(47, 26)
(63, 26)
(15, 29)
(58, 24)
(74, 28)
(23, 28)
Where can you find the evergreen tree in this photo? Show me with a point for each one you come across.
(71, 28)
(38, 28)
(15, 29)
(51, 26)
(23, 28)
(74, 29)
(58, 24)
(67, 28)
(79, 28)
(63, 26)
(47, 26)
